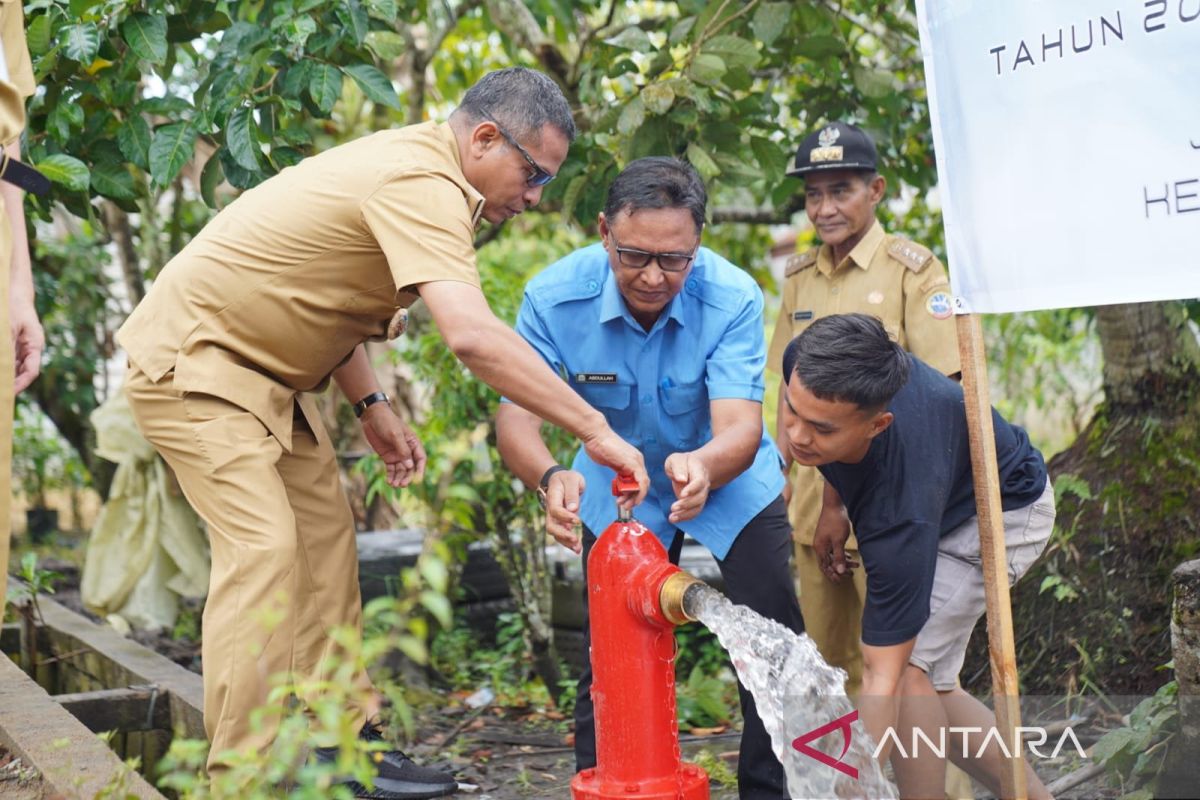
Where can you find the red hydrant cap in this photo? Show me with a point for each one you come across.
(624, 484)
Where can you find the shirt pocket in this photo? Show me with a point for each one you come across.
(613, 401)
(685, 414)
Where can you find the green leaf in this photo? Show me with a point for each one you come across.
(385, 10)
(38, 34)
(146, 36)
(171, 148)
(571, 195)
(374, 84)
(681, 29)
(820, 47)
(873, 83)
(632, 116)
(210, 179)
(240, 138)
(439, 606)
(707, 68)
(282, 157)
(81, 42)
(325, 86)
(386, 45)
(66, 170)
(434, 571)
(134, 140)
(770, 156)
(113, 180)
(658, 98)
(296, 79)
(1111, 744)
(632, 38)
(65, 116)
(702, 161)
(356, 16)
(769, 21)
(733, 50)
(167, 106)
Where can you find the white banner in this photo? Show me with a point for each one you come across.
(1068, 149)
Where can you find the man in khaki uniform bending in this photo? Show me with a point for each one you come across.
(21, 338)
(275, 296)
(857, 268)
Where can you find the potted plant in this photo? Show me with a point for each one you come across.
(37, 465)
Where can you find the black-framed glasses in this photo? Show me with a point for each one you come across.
(639, 259)
(540, 176)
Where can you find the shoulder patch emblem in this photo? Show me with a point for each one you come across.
(910, 254)
(939, 305)
(800, 261)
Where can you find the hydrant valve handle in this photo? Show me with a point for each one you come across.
(624, 484)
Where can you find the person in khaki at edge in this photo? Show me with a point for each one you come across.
(858, 268)
(276, 295)
(21, 337)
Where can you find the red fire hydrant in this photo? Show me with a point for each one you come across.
(633, 668)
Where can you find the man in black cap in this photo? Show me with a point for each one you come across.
(857, 268)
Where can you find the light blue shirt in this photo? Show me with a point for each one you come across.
(654, 386)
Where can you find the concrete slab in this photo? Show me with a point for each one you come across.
(72, 760)
(124, 663)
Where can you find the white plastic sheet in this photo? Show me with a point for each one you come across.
(1068, 149)
(147, 548)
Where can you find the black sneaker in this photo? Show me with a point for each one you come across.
(399, 777)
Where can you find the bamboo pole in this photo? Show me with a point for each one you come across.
(1001, 644)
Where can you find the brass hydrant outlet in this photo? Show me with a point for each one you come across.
(670, 597)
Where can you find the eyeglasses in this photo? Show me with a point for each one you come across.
(639, 259)
(540, 177)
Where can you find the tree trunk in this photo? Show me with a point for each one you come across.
(1148, 348)
(1094, 612)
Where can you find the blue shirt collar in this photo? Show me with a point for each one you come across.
(612, 305)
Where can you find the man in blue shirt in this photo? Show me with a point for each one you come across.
(889, 434)
(666, 339)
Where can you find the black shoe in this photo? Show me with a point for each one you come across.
(398, 778)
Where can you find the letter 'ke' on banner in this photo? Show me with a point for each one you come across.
(1068, 149)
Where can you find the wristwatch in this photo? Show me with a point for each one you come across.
(544, 483)
(374, 397)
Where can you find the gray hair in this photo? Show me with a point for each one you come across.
(522, 100)
(848, 358)
(658, 182)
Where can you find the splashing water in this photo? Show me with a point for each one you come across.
(796, 692)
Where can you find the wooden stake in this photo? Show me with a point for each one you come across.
(1001, 644)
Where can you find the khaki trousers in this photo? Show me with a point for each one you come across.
(7, 368)
(284, 558)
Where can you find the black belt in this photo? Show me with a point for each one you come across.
(24, 176)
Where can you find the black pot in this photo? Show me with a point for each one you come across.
(41, 522)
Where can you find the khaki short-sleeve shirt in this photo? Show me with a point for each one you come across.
(16, 71)
(280, 288)
(885, 276)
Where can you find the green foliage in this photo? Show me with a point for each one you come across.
(41, 460)
(703, 700)
(1134, 754)
(132, 88)
(1044, 367)
(719, 772)
(322, 720)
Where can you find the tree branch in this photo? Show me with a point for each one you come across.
(759, 216)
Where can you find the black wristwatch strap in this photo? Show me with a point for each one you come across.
(544, 483)
(370, 400)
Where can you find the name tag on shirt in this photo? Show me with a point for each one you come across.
(802, 316)
(595, 377)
